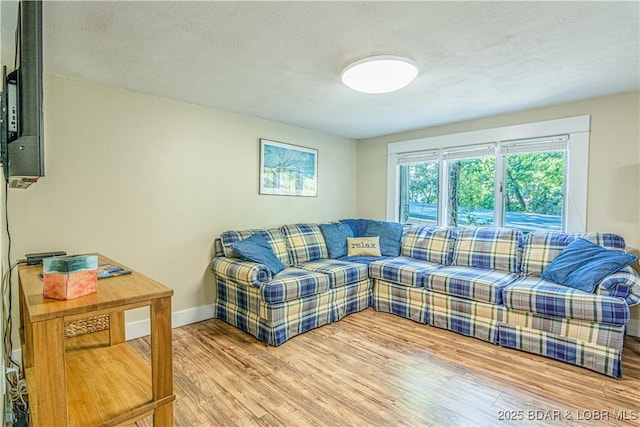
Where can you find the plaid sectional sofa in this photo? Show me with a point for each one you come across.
(477, 281)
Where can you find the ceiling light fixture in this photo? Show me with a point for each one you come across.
(379, 74)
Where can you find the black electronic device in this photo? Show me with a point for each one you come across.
(22, 141)
(36, 258)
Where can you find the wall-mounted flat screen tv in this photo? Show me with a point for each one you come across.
(23, 136)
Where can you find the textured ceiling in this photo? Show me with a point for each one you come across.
(281, 61)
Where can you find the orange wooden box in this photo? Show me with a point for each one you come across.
(70, 277)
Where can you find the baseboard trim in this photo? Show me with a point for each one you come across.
(633, 328)
(142, 328)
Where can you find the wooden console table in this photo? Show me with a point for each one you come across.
(95, 379)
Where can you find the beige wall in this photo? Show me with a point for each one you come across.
(151, 182)
(613, 203)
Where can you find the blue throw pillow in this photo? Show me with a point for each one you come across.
(357, 226)
(256, 248)
(390, 236)
(335, 236)
(582, 265)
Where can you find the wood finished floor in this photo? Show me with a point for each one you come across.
(377, 369)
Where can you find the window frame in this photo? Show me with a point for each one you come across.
(577, 129)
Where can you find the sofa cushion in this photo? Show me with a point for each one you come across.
(390, 234)
(273, 236)
(304, 242)
(358, 226)
(479, 284)
(582, 265)
(293, 283)
(335, 236)
(542, 247)
(429, 243)
(256, 248)
(363, 259)
(542, 297)
(488, 247)
(401, 270)
(340, 273)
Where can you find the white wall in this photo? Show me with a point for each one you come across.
(151, 182)
(613, 200)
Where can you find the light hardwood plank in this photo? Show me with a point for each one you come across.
(376, 369)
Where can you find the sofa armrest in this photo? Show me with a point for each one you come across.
(623, 284)
(240, 271)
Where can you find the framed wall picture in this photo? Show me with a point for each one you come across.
(288, 170)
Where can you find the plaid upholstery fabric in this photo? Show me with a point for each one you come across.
(250, 300)
(273, 236)
(547, 298)
(304, 242)
(218, 250)
(591, 356)
(623, 284)
(245, 320)
(404, 301)
(245, 298)
(351, 298)
(402, 270)
(246, 272)
(488, 247)
(313, 306)
(478, 284)
(340, 273)
(470, 318)
(293, 283)
(611, 336)
(271, 323)
(433, 244)
(542, 247)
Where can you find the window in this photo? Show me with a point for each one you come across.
(470, 186)
(534, 190)
(419, 190)
(528, 183)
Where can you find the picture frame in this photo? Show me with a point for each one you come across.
(288, 170)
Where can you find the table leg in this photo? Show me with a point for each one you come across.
(162, 359)
(50, 377)
(116, 328)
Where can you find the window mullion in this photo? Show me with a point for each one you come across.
(443, 193)
(499, 191)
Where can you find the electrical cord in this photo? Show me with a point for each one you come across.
(16, 384)
(6, 288)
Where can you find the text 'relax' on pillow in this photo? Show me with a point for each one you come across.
(335, 236)
(363, 246)
(582, 265)
(256, 248)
